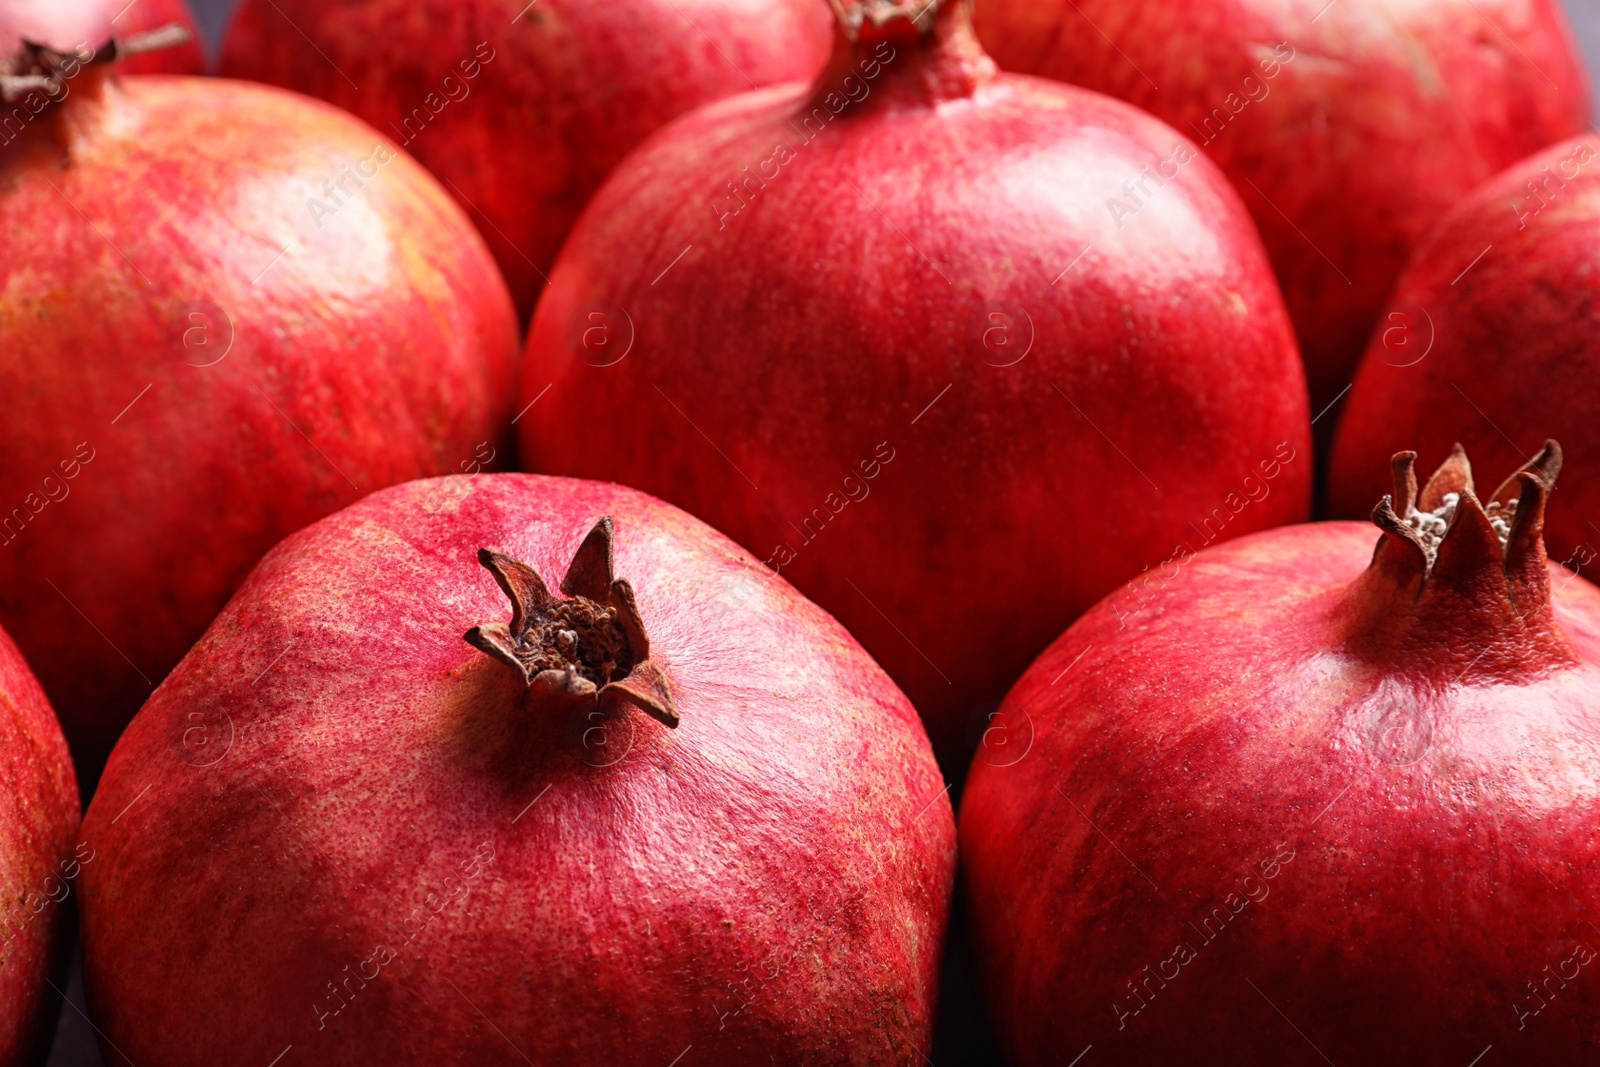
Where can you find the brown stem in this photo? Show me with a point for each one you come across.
(169, 36)
(1456, 581)
(40, 68)
(587, 648)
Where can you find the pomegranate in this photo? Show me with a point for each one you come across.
(905, 404)
(39, 860)
(225, 311)
(674, 806)
(1312, 804)
(1349, 128)
(520, 108)
(1491, 338)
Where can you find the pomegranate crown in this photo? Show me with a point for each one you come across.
(943, 57)
(39, 68)
(853, 14)
(587, 649)
(1454, 578)
(1447, 510)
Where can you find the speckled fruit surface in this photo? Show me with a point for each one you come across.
(198, 362)
(1492, 338)
(349, 830)
(883, 333)
(1311, 804)
(38, 860)
(1348, 128)
(521, 109)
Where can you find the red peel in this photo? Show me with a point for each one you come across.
(416, 856)
(202, 381)
(1318, 803)
(903, 345)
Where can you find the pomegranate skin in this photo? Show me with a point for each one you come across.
(771, 878)
(565, 88)
(1386, 114)
(38, 862)
(1479, 344)
(848, 392)
(194, 382)
(1374, 856)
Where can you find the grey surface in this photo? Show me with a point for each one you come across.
(1585, 16)
(75, 1045)
(213, 16)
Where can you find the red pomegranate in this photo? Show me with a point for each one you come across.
(40, 860)
(522, 108)
(674, 806)
(1492, 337)
(1349, 128)
(1309, 804)
(961, 401)
(225, 311)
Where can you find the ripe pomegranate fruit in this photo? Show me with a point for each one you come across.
(225, 311)
(1349, 130)
(905, 404)
(521, 109)
(1314, 804)
(38, 860)
(673, 806)
(1491, 338)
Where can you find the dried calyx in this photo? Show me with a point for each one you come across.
(1431, 526)
(1514, 515)
(926, 46)
(38, 68)
(588, 648)
(853, 14)
(1455, 578)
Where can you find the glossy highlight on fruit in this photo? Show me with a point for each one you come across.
(522, 109)
(225, 311)
(882, 332)
(1348, 128)
(1492, 338)
(40, 859)
(1315, 803)
(667, 802)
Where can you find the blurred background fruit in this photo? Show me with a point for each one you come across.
(1492, 338)
(538, 864)
(883, 332)
(1348, 127)
(219, 323)
(521, 108)
(41, 862)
